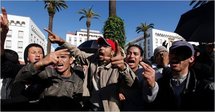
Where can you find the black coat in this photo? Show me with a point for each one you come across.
(197, 95)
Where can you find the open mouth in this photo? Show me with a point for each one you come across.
(36, 60)
(174, 62)
(59, 66)
(101, 53)
(131, 61)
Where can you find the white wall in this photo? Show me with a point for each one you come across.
(31, 34)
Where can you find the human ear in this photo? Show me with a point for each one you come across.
(112, 53)
(191, 59)
(141, 58)
(71, 60)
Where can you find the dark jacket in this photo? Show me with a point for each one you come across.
(9, 68)
(196, 94)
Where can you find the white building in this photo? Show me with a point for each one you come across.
(155, 38)
(81, 36)
(22, 32)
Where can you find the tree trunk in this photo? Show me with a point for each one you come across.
(88, 29)
(51, 16)
(112, 8)
(145, 54)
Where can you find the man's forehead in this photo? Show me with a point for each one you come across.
(134, 50)
(63, 55)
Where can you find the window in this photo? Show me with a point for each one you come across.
(148, 54)
(18, 23)
(156, 41)
(23, 23)
(12, 23)
(20, 44)
(8, 44)
(9, 34)
(20, 34)
(20, 54)
(75, 39)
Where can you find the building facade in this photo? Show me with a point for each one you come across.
(155, 38)
(22, 32)
(81, 36)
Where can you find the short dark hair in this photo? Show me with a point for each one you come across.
(135, 45)
(28, 47)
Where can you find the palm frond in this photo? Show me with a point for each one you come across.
(82, 18)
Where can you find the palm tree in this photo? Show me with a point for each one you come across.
(112, 8)
(52, 6)
(198, 3)
(114, 29)
(114, 26)
(88, 14)
(143, 27)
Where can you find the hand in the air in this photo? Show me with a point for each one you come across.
(148, 74)
(54, 38)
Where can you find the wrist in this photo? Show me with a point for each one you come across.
(61, 42)
(41, 63)
(123, 68)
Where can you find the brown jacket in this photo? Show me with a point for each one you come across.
(103, 89)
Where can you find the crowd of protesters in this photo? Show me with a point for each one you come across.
(178, 78)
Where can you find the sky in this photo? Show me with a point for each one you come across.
(163, 14)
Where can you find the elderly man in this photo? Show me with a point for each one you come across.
(161, 58)
(179, 89)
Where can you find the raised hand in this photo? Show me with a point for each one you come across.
(54, 38)
(3, 29)
(148, 74)
(4, 21)
(165, 59)
(118, 60)
(51, 58)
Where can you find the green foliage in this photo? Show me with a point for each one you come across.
(53, 5)
(114, 29)
(88, 13)
(198, 3)
(144, 27)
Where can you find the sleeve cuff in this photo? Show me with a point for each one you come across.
(155, 88)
